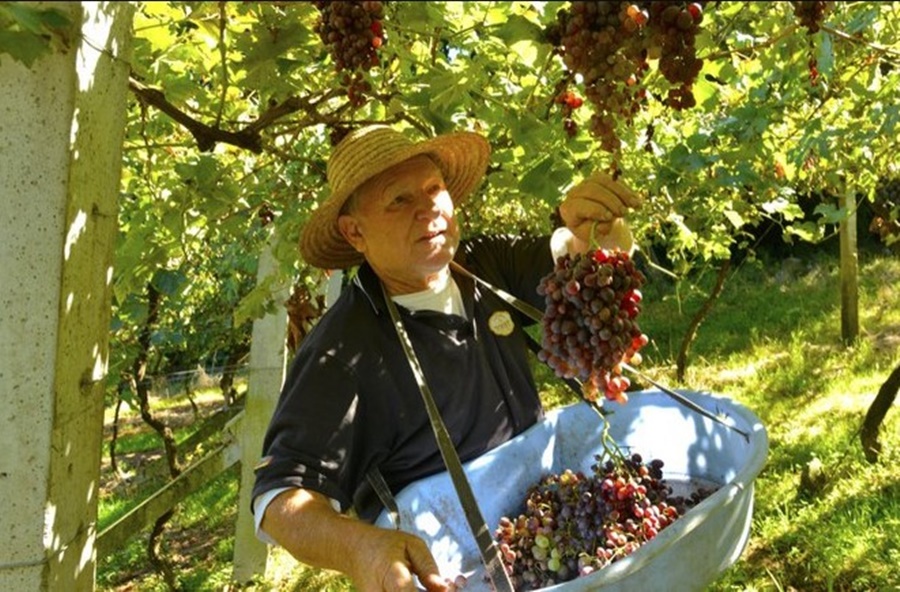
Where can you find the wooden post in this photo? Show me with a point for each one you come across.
(849, 270)
(62, 122)
(267, 367)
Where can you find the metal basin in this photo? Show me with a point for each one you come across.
(687, 555)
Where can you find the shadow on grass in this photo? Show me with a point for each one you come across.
(865, 558)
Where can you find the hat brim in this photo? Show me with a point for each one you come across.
(463, 158)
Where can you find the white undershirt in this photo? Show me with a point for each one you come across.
(443, 296)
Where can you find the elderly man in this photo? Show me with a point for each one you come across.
(350, 403)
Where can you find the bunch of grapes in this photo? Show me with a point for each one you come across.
(672, 29)
(594, 42)
(337, 132)
(574, 524)
(353, 32)
(589, 322)
(811, 14)
(609, 43)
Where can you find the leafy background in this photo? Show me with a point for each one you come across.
(235, 106)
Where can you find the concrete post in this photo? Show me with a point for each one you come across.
(61, 132)
(267, 367)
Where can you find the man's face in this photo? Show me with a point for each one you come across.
(402, 222)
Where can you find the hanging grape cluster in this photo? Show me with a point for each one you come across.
(811, 14)
(610, 44)
(589, 322)
(353, 32)
(574, 524)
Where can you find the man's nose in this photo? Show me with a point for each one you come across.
(429, 204)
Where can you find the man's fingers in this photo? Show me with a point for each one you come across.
(585, 217)
(398, 578)
(592, 229)
(600, 188)
(617, 236)
(425, 567)
(626, 195)
(592, 206)
(435, 583)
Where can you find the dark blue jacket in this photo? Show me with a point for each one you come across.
(350, 400)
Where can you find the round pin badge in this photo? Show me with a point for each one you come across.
(501, 323)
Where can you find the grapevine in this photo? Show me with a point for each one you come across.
(610, 45)
(811, 14)
(574, 524)
(589, 321)
(353, 31)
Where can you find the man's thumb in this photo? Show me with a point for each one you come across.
(619, 236)
(424, 566)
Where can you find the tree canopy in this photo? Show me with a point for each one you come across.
(738, 114)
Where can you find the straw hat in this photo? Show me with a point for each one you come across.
(462, 157)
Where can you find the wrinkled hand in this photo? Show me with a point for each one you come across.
(389, 560)
(598, 203)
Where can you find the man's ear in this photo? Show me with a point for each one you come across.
(350, 230)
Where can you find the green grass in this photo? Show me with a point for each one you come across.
(136, 438)
(198, 541)
(776, 347)
(772, 343)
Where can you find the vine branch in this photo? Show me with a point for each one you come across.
(787, 31)
(249, 137)
(206, 136)
(691, 333)
(848, 37)
(223, 56)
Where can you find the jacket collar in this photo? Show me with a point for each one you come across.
(370, 285)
